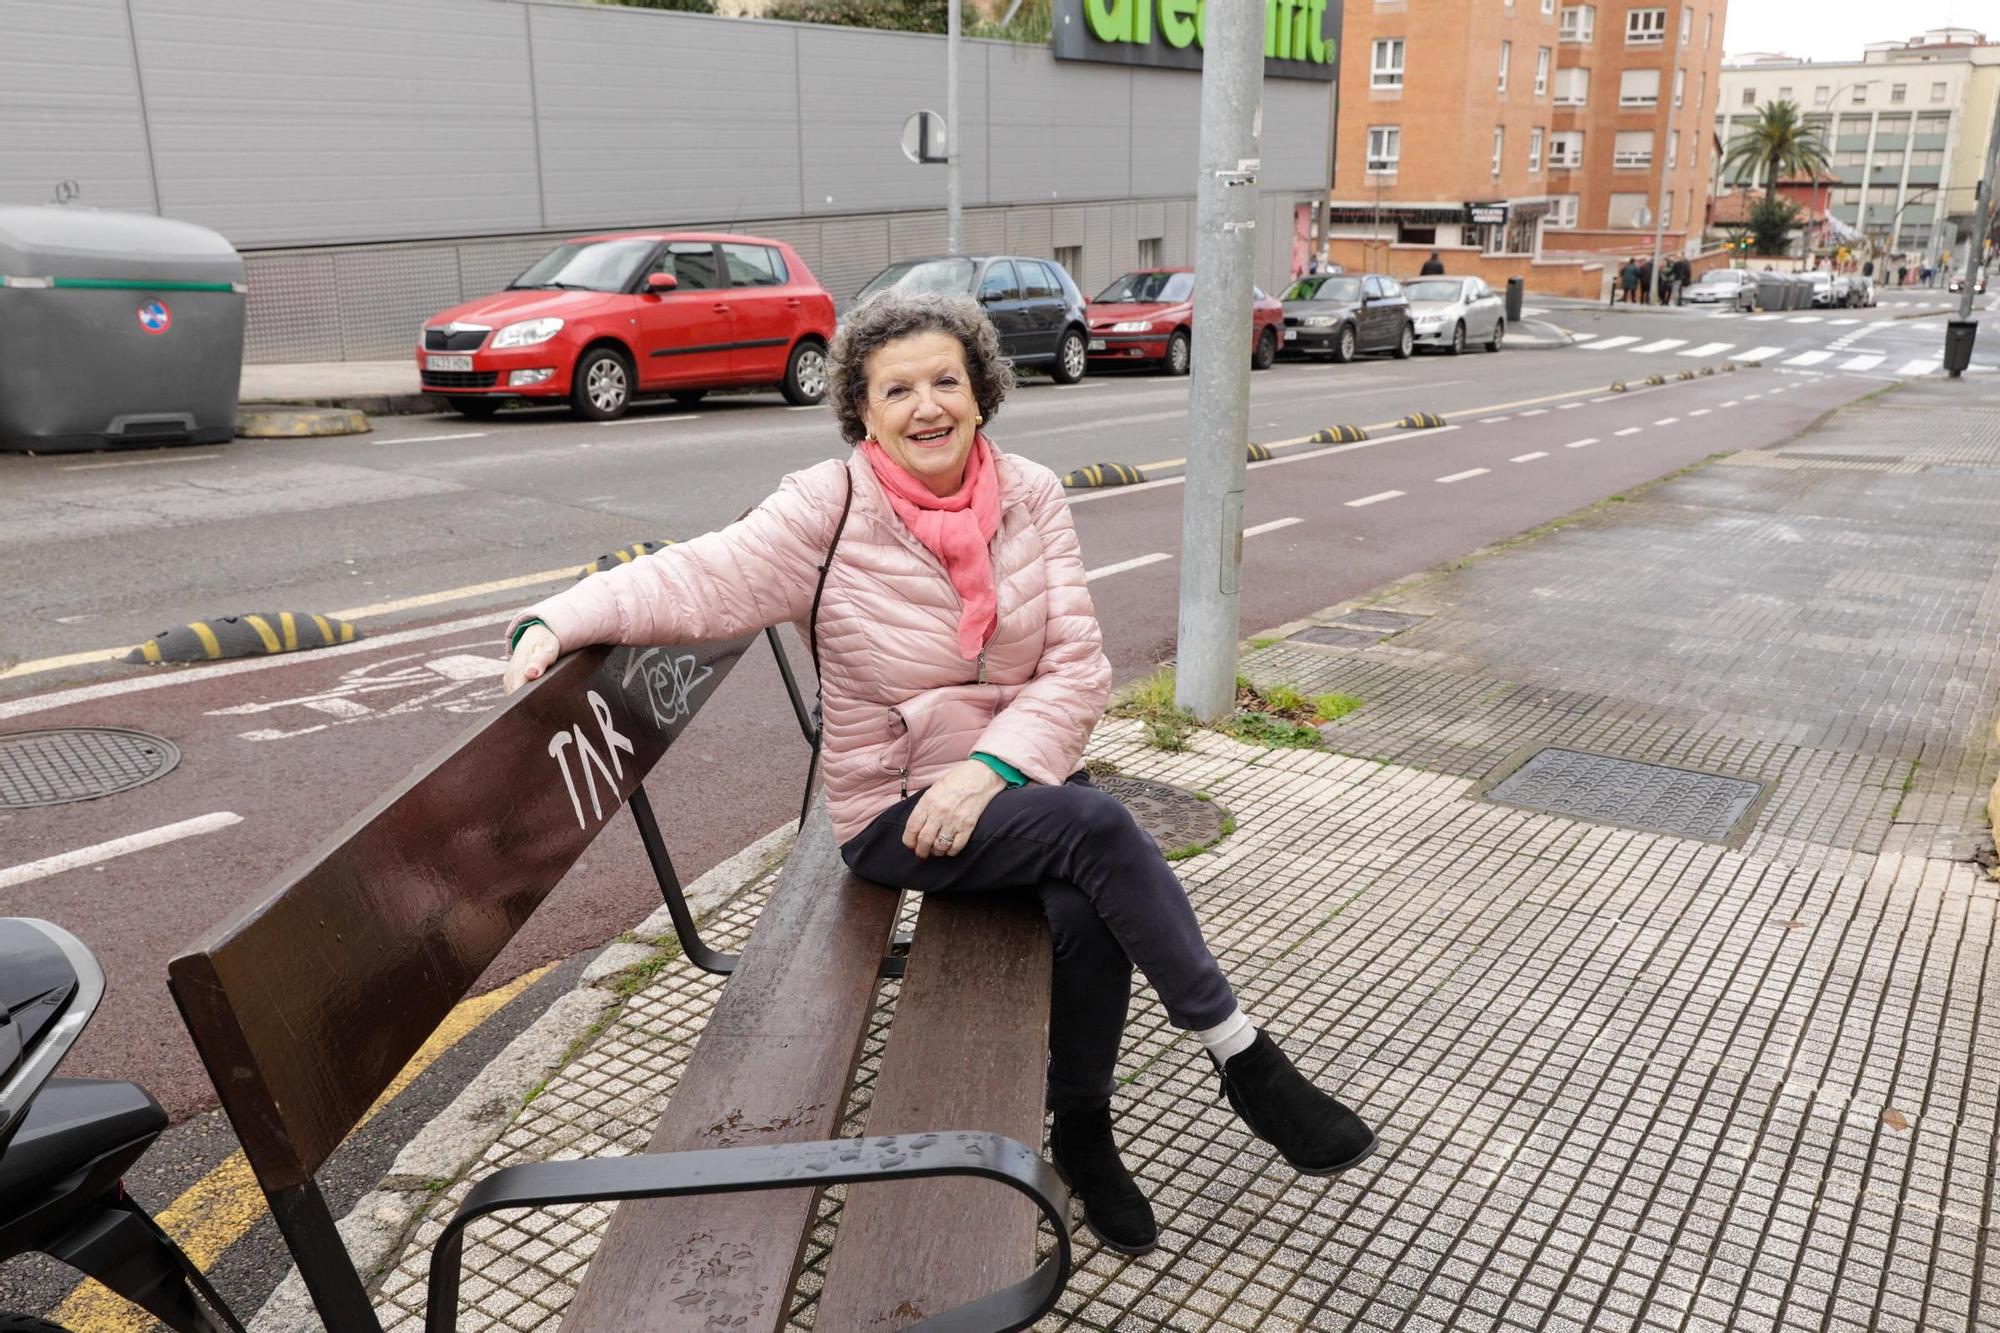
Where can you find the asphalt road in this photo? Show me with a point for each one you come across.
(279, 753)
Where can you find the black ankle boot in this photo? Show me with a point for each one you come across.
(1086, 1156)
(1313, 1132)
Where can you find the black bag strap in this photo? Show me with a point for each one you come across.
(812, 641)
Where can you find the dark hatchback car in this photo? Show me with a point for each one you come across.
(1342, 315)
(1033, 303)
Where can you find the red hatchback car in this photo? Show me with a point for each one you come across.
(601, 319)
(1148, 315)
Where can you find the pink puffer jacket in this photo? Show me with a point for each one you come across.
(901, 705)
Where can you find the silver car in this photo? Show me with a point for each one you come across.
(1733, 287)
(1451, 312)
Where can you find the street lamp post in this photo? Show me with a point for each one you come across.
(1664, 202)
(953, 204)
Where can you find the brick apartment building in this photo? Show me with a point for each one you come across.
(1565, 113)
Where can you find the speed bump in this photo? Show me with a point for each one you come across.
(258, 635)
(1618, 386)
(624, 555)
(1656, 379)
(1421, 421)
(1707, 371)
(1103, 474)
(1260, 453)
(297, 423)
(1339, 435)
(1685, 375)
(1729, 367)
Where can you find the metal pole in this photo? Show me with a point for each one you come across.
(1975, 251)
(954, 209)
(1219, 398)
(1661, 204)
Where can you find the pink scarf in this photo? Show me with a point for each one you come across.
(958, 529)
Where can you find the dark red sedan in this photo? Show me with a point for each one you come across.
(1148, 316)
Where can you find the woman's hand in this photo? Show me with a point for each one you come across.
(942, 822)
(533, 655)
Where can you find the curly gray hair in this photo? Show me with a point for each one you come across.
(889, 315)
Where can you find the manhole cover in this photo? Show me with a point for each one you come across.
(1382, 620)
(1176, 818)
(78, 764)
(1333, 636)
(1627, 792)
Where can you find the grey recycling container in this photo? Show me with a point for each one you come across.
(116, 330)
(1770, 290)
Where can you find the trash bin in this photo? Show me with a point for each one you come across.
(1516, 291)
(116, 329)
(1958, 336)
(1771, 291)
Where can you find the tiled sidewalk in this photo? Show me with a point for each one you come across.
(1624, 1080)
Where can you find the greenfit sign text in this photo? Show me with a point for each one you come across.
(1301, 37)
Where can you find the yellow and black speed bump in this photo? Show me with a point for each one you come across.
(1729, 367)
(1260, 453)
(1339, 435)
(1421, 421)
(1104, 474)
(292, 423)
(258, 635)
(624, 555)
(1656, 379)
(1707, 371)
(1685, 375)
(1754, 365)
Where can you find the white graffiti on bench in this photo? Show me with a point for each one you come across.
(588, 758)
(670, 682)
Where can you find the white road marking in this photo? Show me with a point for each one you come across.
(1373, 499)
(1759, 319)
(1699, 412)
(1752, 397)
(1843, 321)
(1272, 526)
(653, 421)
(1809, 358)
(1086, 384)
(1564, 407)
(1137, 562)
(1921, 366)
(809, 407)
(1605, 398)
(1491, 421)
(1866, 361)
(1401, 437)
(136, 462)
(1759, 353)
(433, 439)
(1666, 421)
(1663, 345)
(1805, 319)
(1527, 458)
(1582, 443)
(1629, 430)
(1732, 402)
(1461, 476)
(125, 846)
(1708, 349)
(1538, 412)
(1608, 343)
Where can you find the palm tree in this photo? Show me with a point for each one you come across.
(1780, 144)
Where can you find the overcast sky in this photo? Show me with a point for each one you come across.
(1837, 29)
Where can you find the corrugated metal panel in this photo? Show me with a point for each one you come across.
(487, 266)
(69, 105)
(1063, 130)
(1166, 108)
(986, 233)
(1067, 227)
(1149, 220)
(1177, 241)
(1029, 231)
(293, 310)
(1097, 265)
(653, 119)
(1124, 239)
(381, 286)
(1295, 145)
(346, 119)
(915, 235)
(855, 91)
(802, 236)
(851, 252)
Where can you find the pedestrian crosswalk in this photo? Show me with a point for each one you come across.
(1856, 359)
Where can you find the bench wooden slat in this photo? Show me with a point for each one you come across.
(772, 1066)
(967, 1050)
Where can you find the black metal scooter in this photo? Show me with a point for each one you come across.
(65, 1143)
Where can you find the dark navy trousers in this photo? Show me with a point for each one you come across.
(1111, 899)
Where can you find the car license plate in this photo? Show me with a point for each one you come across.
(447, 363)
(1291, 335)
(1096, 344)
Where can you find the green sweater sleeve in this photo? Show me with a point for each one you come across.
(1009, 774)
(523, 628)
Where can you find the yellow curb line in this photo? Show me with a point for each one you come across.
(219, 1209)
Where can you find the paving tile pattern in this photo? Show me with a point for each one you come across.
(1624, 1080)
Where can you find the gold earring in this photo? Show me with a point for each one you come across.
(979, 418)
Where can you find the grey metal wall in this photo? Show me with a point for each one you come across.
(381, 158)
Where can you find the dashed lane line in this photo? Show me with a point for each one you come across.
(1136, 562)
(1731, 403)
(1491, 421)
(436, 439)
(97, 853)
(1462, 476)
(1666, 421)
(1805, 319)
(1377, 498)
(1272, 526)
(1536, 412)
(136, 462)
(1527, 458)
(1583, 443)
(1699, 412)
(1629, 430)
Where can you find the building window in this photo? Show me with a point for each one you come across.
(1645, 27)
(1562, 212)
(1542, 54)
(1578, 23)
(1149, 252)
(1632, 149)
(1572, 86)
(1860, 95)
(1506, 51)
(1624, 210)
(1687, 23)
(1707, 29)
(1784, 93)
(1385, 148)
(1673, 149)
(1819, 95)
(1701, 95)
(1566, 148)
(1898, 92)
(1680, 85)
(1937, 92)
(1070, 257)
(1933, 122)
(1749, 97)
(1499, 138)
(1639, 87)
(1548, 6)
(1534, 151)
(1387, 69)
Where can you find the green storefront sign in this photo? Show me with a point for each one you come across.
(1301, 37)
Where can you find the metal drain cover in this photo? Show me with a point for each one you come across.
(1382, 620)
(1654, 797)
(78, 764)
(1176, 818)
(1334, 636)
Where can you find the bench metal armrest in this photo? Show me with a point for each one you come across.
(784, 1166)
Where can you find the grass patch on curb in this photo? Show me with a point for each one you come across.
(1278, 717)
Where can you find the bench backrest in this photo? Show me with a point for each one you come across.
(308, 1002)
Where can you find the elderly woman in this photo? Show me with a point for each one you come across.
(962, 669)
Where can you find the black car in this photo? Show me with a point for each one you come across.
(1344, 314)
(1033, 303)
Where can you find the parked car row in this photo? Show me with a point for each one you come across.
(602, 320)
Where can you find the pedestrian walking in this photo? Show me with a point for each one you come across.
(1645, 282)
(1432, 266)
(1683, 273)
(1902, 275)
(962, 669)
(1628, 280)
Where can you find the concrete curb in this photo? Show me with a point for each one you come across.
(292, 422)
(381, 1222)
(374, 404)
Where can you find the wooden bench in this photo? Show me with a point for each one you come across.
(306, 1005)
